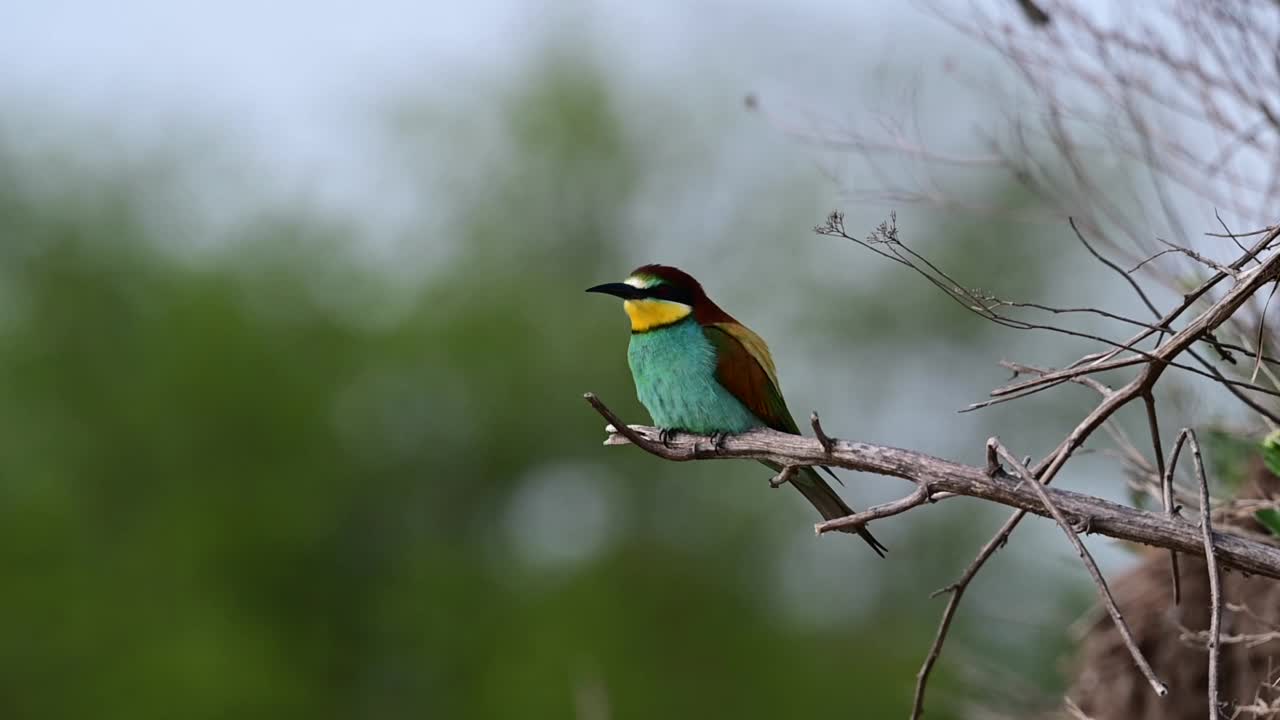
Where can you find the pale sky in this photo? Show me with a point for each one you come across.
(290, 80)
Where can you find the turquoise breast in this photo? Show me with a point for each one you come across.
(674, 369)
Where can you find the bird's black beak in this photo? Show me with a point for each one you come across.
(622, 290)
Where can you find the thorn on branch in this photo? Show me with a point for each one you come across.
(993, 459)
(944, 590)
(827, 442)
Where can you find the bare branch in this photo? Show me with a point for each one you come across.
(1167, 486)
(885, 242)
(1211, 561)
(1191, 91)
(1260, 341)
(1127, 275)
(1103, 590)
(956, 590)
(939, 475)
(1207, 321)
(1207, 262)
(921, 496)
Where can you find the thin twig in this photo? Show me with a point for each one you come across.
(1207, 262)
(921, 496)
(1251, 233)
(956, 591)
(1111, 264)
(1262, 328)
(1110, 602)
(1249, 640)
(1249, 283)
(1206, 322)
(1153, 422)
(1148, 259)
(1074, 710)
(1211, 560)
(1234, 238)
(1206, 66)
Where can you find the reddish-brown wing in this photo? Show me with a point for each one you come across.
(745, 368)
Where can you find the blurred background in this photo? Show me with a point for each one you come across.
(293, 344)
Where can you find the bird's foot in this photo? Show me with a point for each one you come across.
(717, 440)
(664, 436)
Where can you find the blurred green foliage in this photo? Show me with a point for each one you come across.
(265, 481)
(1228, 455)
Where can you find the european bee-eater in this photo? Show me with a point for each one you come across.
(699, 370)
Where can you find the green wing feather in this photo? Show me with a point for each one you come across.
(745, 368)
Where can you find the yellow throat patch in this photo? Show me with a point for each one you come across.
(649, 314)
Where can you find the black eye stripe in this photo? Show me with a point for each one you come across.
(670, 292)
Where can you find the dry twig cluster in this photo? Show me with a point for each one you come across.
(1193, 321)
(1189, 94)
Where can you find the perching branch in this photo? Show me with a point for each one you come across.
(1101, 516)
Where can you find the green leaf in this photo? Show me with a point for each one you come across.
(1271, 452)
(1270, 518)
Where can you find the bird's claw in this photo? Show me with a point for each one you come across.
(717, 440)
(664, 436)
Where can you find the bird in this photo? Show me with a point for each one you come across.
(697, 369)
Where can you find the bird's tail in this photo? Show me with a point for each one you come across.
(823, 497)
